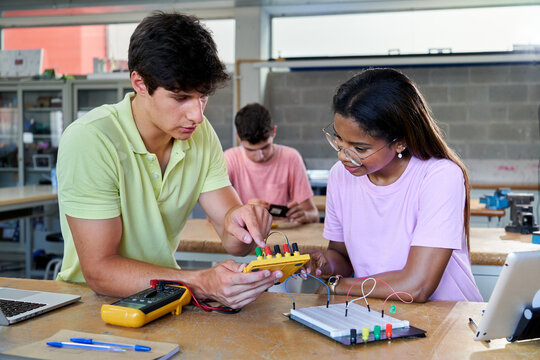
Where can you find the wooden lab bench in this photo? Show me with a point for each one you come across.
(261, 330)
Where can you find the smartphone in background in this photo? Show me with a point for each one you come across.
(278, 210)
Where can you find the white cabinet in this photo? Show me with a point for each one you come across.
(33, 115)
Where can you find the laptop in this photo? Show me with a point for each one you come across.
(17, 305)
(517, 289)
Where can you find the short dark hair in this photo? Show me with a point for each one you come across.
(176, 52)
(253, 123)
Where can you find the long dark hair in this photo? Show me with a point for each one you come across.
(387, 105)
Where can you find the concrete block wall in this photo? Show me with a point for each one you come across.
(219, 112)
(486, 112)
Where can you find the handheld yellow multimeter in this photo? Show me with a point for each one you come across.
(145, 306)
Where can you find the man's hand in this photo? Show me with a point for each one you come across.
(226, 284)
(248, 224)
(303, 213)
(259, 202)
(296, 213)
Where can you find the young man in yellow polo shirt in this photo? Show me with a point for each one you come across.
(129, 175)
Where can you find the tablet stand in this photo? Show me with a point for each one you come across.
(528, 326)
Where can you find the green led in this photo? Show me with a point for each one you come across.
(258, 251)
(393, 309)
(377, 332)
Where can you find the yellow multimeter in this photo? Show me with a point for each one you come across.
(145, 306)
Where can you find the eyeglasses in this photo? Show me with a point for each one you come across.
(350, 154)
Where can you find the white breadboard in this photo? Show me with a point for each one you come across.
(333, 322)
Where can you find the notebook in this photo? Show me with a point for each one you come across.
(17, 305)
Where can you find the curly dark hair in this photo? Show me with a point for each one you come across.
(175, 51)
(253, 123)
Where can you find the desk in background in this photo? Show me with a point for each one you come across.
(25, 202)
(261, 331)
(200, 242)
(489, 247)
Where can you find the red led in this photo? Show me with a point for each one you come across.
(388, 331)
(286, 248)
(267, 251)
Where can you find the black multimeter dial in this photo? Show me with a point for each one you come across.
(151, 299)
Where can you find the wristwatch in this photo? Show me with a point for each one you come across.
(332, 283)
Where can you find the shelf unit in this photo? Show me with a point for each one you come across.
(33, 115)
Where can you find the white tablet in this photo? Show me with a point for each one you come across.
(517, 288)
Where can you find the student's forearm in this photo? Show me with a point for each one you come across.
(338, 264)
(118, 276)
(396, 279)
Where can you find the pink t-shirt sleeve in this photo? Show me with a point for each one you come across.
(440, 210)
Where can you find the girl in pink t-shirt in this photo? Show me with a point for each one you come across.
(397, 205)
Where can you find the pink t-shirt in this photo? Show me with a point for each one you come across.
(279, 180)
(379, 224)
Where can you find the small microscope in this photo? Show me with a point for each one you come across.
(521, 213)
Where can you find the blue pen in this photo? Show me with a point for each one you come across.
(90, 341)
(61, 344)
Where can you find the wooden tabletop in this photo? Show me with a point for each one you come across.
(261, 330)
(199, 236)
(320, 202)
(489, 246)
(477, 209)
(23, 196)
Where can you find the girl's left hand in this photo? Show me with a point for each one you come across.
(318, 265)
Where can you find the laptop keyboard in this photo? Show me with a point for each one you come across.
(12, 308)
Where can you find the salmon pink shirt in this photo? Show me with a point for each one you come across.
(278, 181)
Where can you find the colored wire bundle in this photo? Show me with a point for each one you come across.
(200, 304)
(277, 232)
(396, 293)
(316, 278)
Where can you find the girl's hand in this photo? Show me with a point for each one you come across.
(318, 265)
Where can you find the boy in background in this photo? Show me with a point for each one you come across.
(265, 173)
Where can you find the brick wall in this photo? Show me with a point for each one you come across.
(487, 112)
(219, 112)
